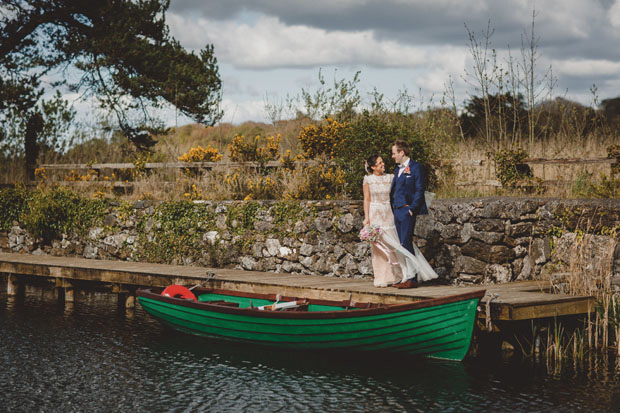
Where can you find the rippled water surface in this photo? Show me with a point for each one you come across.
(96, 357)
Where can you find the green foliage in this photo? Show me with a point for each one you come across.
(123, 53)
(13, 202)
(60, 211)
(322, 139)
(323, 180)
(613, 151)
(375, 133)
(339, 100)
(241, 216)
(286, 213)
(587, 187)
(173, 232)
(512, 173)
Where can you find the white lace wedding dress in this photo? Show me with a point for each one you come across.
(391, 262)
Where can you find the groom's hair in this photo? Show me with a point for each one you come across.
(402, 146)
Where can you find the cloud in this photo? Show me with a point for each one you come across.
(240, 111)
(587, 67)
(614, 15)
(565, 27)
(269, 43)
(274, 47)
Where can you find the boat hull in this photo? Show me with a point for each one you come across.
(438, 328)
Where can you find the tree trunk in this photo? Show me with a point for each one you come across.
(31, 147)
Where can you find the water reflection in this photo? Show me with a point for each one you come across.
(99, 354)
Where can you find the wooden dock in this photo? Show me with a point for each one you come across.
(507, 302)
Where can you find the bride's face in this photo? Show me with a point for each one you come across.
(379, 167)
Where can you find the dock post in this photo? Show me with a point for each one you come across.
(130, 301)
(124, 296)
(65, 287)
(12, 287)
(69, 298)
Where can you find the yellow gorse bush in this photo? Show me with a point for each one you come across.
(288, 160)
(257, 150)
(73, 176)
(200, 154)
(194, 194)
(262, 188)
(321, 181)
(324, 138)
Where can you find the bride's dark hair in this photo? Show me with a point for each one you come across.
(370, 162)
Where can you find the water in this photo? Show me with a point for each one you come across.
(96, 357)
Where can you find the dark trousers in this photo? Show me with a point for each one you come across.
(405, 223)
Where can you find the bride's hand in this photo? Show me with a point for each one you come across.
(366, 222)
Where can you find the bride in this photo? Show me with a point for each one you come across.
(391, 262)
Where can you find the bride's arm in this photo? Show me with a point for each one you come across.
(366, 205)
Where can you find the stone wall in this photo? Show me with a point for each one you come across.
(466, 240)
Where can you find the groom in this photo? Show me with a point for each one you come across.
(407, 199)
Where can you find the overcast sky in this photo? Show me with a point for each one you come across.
(268, 49)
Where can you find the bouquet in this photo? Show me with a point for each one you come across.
(370, 233)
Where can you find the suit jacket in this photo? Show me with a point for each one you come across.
(408, 189)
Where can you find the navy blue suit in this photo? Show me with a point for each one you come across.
(407, 194)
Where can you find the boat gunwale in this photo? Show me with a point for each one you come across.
(255, 312)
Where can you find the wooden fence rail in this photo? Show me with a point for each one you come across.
(275, 164)
(533, 161)
(161, 165)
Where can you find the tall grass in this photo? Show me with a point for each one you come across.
(588, 272)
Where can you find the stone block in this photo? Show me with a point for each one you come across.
(248, 263)
(526, 271)
(90, 251)
(492, 254)
(490, 225)
(345, 223)
(220, 222)
(272, 246)
(306, 249)
(426, 227)
(468, 232)
(450, 231)
(469, 265)
(263, 226)
(284, 252)
(540, 250)
(211, 237)
(257, 249)
(498, 273)
(521, 229)
(322, 224)
(307, 262)
(462, 212)
(300, 227)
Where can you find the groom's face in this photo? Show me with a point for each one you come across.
(397, 155)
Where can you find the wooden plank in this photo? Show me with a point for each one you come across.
(576, 306)
(490, 182)
(544, 161)
(170, 165)
(513, 301)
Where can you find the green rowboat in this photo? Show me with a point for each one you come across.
(438, 328)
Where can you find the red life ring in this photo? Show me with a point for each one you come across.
(178, 291)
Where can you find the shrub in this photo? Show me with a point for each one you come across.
(13, 201)
(324, 138)
(177, 228)
(375, 133)
(59, 211)
(324, 180)
(200, 154)
(258, 150)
